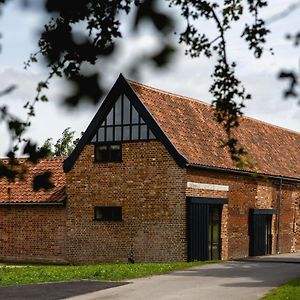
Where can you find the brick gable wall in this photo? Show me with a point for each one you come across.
(148, 185)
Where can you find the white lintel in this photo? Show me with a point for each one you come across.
(206, 186)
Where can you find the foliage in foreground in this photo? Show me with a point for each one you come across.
(69, 53)
(290, 291)
(10, 275)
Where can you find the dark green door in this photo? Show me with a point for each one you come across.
(204, 230)
(260, 231)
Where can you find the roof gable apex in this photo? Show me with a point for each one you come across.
(119, 87)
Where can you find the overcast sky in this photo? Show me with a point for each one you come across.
(185, 76)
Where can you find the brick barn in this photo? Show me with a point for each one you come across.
(149, 181)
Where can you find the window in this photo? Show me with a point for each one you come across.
(123, 123)
(108, 153)
(108, 213)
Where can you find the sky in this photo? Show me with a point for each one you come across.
(184, 76)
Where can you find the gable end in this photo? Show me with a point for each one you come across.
(122, 86)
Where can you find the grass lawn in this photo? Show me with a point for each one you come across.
(288, 291)
(10, 275)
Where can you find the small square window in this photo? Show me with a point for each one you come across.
(108, 213)
(108, 153)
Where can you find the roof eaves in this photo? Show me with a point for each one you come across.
(241, 172)
(60, 202)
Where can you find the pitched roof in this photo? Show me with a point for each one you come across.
(191, 135)
(21, 191)
(191, 128)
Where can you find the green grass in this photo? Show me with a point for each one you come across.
(287, 291)
(10, 275)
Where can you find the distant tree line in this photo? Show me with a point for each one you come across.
(63, 146)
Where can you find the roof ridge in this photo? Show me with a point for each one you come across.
(211, 105)
(270, 124)
(169, 93)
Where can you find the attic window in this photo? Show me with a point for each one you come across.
(108, 153)
(123, 123)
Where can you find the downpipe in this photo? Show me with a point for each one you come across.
(279, 195)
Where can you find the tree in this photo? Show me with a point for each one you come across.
(63, 146)
(66, 52)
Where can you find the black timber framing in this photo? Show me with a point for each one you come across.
(122, 86)
(121, 125)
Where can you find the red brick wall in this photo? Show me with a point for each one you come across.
(32, 233)
(152, 191)
(245, 193)
(241, 197)
(296, 217)
(289, 209)
(149, 186)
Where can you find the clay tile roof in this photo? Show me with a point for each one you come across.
(21, 191)
(190, 126)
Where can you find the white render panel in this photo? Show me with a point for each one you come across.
(206, 186)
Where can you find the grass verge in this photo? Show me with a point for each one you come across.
(10, 275)
(290, 291)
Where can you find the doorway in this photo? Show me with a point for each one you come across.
(204, 228)
(260, 231)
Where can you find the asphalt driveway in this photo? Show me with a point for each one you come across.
(234, 280)
(54, 290)
(247, 279)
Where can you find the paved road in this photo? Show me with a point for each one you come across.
(236, 280)
(54, 290)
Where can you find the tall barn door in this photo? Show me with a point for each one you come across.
(204, 228)
(198, 231)
(260, 231)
